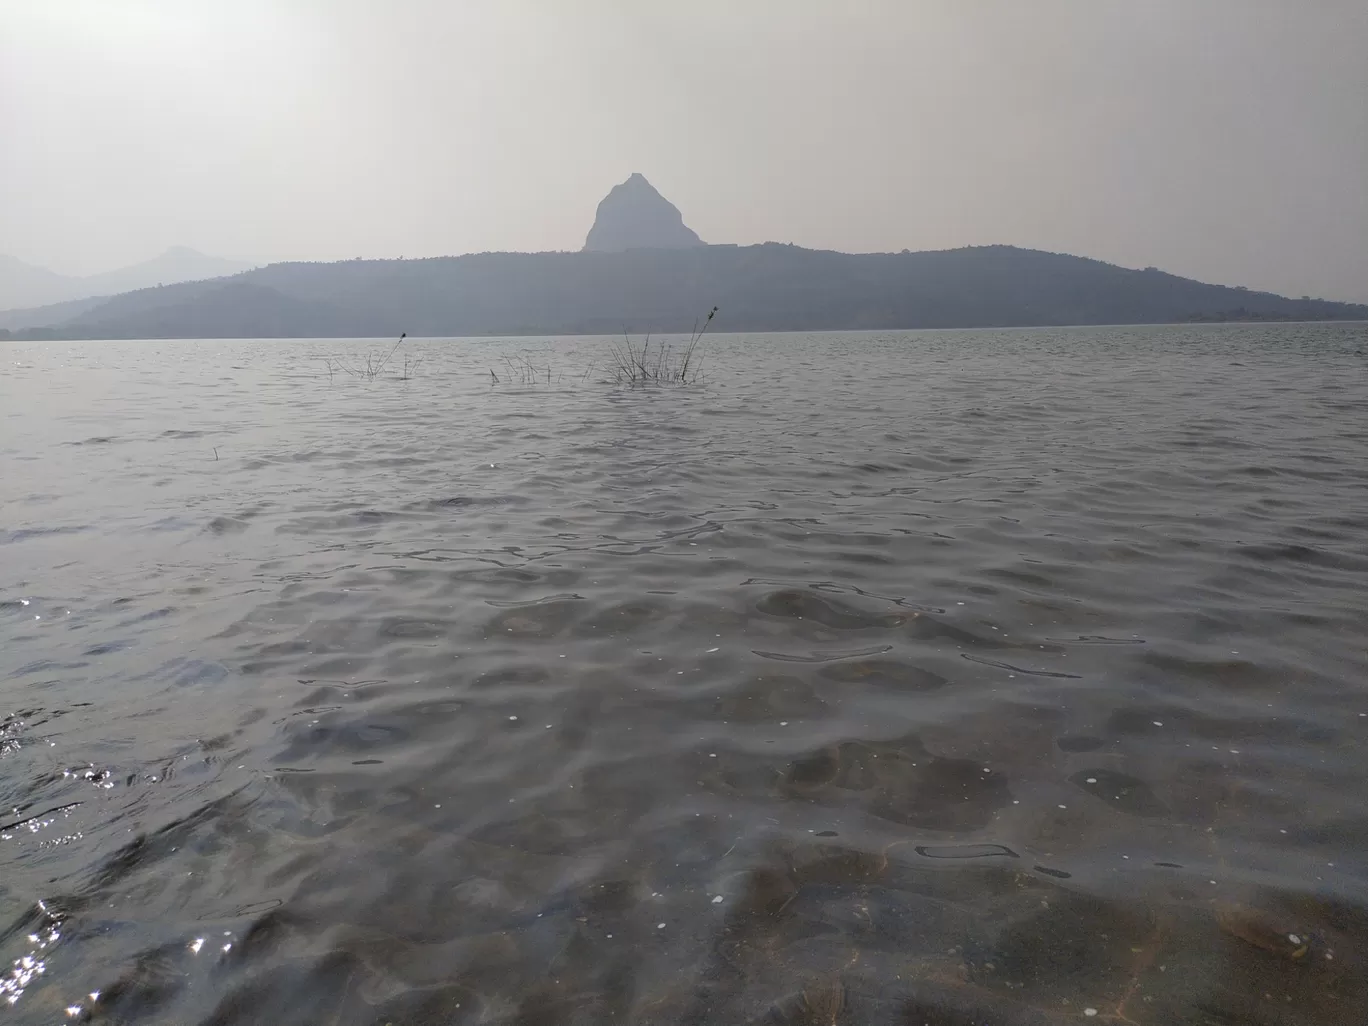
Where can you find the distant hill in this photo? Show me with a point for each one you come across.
(22, 283)
(177, 264)
(771, 287)
(52, 313)
(634, 216)
(24, 286)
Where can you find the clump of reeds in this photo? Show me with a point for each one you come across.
(521, 370)
(373, 367)
(665, 364)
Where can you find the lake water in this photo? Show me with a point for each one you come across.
(935, 678)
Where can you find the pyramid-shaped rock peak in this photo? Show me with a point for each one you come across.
(634, 216)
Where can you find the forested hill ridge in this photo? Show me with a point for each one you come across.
(770, 287)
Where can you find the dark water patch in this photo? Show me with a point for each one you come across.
(561, 597)
(1027, 578)
(769, 698)
(169, 524)
(966, 851)
(816, 657)
(1168, 722)
(1057, 874)
(538, 620)
(150, 617)
(1097, 639)
(342, 520)
(833, 613)
(46, 666)
(1018, 669)
(188, 673)
(396, 627)
(1072, 947)
(227, 525)
(846, 588)
(889, 673)
(457, 503)
(512, 574)
(512, 677)
(900, 782)
(107, 648)
(1080, 743)
(1123, 792)
(924, 627)
(331, 733)
(9, 537)
(625, 617)
(1302, 554)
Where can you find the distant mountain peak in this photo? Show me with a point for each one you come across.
(635, 216)
(190, 256)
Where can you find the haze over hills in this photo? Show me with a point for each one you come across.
(24, 286)
(643, 270)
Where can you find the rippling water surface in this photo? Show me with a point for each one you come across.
(941, 678)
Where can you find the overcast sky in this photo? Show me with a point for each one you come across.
(1226, 140)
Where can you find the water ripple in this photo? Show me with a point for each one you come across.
(934, 678)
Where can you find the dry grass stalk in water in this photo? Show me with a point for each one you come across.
(520, 370)
(663, 365)
(374, 365)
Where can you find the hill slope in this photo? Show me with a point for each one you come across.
(53, 313)
(25, 286)
(759, 288)
(22, 283)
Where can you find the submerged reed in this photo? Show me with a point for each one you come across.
(374, 365)
(521, 370)
(666, 364)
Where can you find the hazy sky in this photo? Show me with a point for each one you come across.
(1222, 139)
